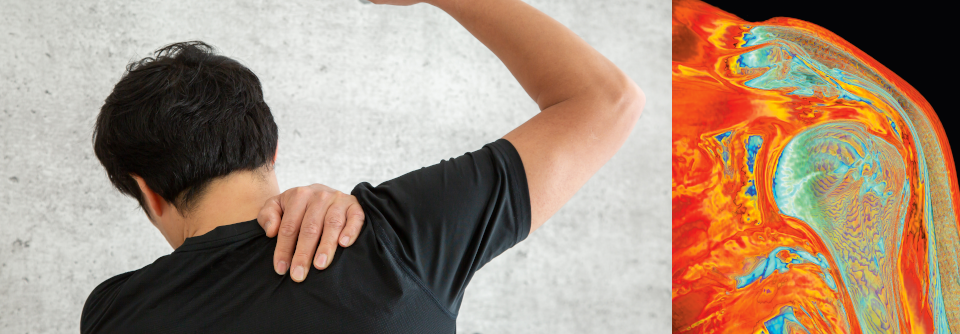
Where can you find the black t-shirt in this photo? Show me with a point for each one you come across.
(425, 234)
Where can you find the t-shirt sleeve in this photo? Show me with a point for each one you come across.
(444, 222)
(100, 301)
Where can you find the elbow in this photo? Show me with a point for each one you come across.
(632, 101)
(629, 103)
(618, 106)
(622, 97)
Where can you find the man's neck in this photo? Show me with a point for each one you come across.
(234, 198)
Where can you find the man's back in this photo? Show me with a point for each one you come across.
(426, 233)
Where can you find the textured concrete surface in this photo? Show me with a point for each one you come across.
(360, 93)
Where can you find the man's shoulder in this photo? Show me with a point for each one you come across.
(113, 283)
(99, 301)
(103, 300)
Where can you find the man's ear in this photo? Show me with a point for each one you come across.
(152, 199)
(275, 153)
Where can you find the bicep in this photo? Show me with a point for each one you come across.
(565, 144)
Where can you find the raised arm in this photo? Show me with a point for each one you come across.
(588, 106)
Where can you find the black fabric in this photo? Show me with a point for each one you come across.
(425, 234)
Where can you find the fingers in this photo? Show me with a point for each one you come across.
(310, 232)
(269, 217)
(296, 203)
(309, 222)
(333, 223)
(355, 219)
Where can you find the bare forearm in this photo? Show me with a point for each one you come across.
(551, 62)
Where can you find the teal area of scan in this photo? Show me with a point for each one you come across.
(753, 146)
(789, 68)
(773, 264)
(751, 189)
(818, 162)
(789, 71)
(725, 154)
(849, 186)
(784, 322)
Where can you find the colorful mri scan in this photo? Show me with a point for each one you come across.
(814, 191)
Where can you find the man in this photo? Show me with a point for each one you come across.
(188, 135)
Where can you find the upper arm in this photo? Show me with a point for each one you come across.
(566, 143)
(445, 221)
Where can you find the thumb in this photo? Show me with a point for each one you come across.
(269, 217)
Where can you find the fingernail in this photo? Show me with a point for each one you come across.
(281, 268)
(322, 260)
(344, 240)
(297, 273)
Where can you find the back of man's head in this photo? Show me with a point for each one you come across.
(181, 119)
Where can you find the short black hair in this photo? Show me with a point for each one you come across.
(181, 119)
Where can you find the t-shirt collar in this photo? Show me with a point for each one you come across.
(221, 235)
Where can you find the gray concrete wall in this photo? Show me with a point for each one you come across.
(360, 93)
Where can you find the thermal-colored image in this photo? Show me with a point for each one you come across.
(813, 189)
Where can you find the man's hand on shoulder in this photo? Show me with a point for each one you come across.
(304, 217)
